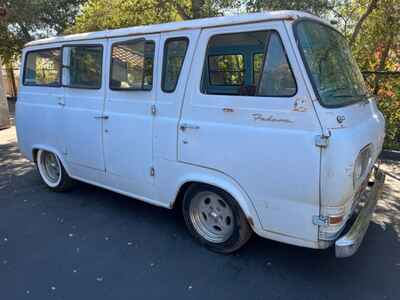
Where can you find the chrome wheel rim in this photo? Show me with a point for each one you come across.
(211, 217)
(52, 169)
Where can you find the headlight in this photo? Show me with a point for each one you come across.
(362, 164)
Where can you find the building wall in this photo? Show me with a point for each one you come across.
(4, 113)
(7, 83)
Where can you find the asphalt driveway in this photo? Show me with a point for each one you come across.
(95, 244)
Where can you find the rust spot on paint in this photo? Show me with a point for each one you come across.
(228, 110)
(300, 105)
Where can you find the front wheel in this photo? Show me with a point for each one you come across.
(52, 171)
(215, 219)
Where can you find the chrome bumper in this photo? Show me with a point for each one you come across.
(348, 244)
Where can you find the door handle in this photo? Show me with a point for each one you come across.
(101, 117)
(185, 126)
(61, 101)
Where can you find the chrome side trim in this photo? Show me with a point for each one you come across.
(349, 243)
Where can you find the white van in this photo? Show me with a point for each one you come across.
(253, 123)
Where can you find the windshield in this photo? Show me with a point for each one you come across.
(332, 68)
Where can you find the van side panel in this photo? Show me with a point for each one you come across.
(38, 114)
(169, 104)
(261, 150)
(82, 126)
(266, 144)
(128, 131)
(173, 175)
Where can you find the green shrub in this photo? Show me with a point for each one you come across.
(389, 104)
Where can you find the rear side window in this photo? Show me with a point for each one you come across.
(174, 56)
(85, 69)
(249, 64)
(132, 65)
(43, 68)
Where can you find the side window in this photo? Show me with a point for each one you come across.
(85, 68)
(277, 78)
(132, 65)
(226, 69)
(248, 63)
(43, 68)
(174, 56)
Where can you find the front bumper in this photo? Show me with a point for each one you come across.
(349, 243)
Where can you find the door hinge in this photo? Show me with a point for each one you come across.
(320, 220)
(152, 172)
(322, 140)
(153, 110)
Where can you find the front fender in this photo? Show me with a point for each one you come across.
(224, 182)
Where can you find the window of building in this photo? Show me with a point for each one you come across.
(132, 65)
(43, 68)
(174, 56)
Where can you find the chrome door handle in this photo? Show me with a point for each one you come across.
(61, 101)
(185, 126)
(101, 117)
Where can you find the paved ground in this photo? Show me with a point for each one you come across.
(95, 244)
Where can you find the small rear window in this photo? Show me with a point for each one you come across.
(132, 65)
(85, 71)
(174, 55)
(42, 68)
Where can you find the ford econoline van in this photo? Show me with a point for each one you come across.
(253, 123)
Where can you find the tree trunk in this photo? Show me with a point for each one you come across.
(382, 61)
(372, 5)
(11, 79)
(182, 12)
(197, 8)
(4, 113)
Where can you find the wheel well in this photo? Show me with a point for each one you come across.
(181, 193)
(34, 154)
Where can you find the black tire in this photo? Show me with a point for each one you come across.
(241, 231)
(63, 182)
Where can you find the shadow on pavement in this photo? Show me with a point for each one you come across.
(123, 248)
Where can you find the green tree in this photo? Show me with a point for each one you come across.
(109, 14)
(377, 49)
(104, 14)
(27, 20)
(317, 7)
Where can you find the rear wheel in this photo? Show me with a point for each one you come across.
(215, 219)
(52, 171)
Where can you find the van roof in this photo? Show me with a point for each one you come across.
(175, 26)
